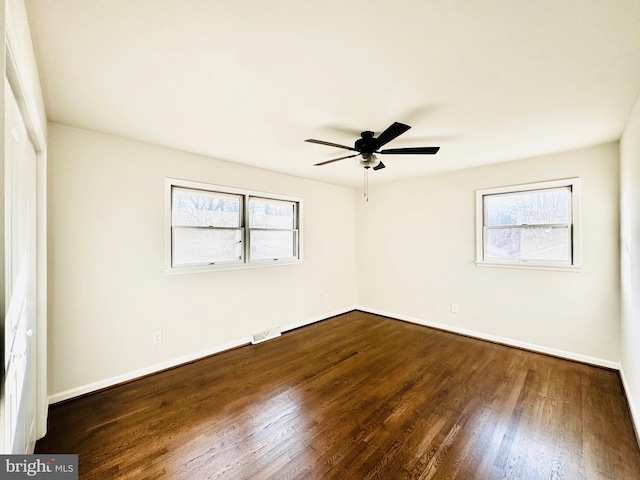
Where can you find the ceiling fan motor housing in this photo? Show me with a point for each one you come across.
(367, 144)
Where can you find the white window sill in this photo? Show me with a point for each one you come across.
(230, 266)
(531, 266)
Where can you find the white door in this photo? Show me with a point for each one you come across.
(19, 402)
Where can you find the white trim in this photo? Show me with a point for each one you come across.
(16, 72)
(535, 266)
(574, 266)
(125, 377)
(114, 381)
(600, 362)
(230, 266)
(635, 414)
(170, 182)
(135, 374)
(563, 182)
(319, 318)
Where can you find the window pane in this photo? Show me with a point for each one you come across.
(206, 209)
(206, 245)
(528, 243)
(278, 214)
(272, 244)
(528, 208)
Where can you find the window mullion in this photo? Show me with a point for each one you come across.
(246, 229)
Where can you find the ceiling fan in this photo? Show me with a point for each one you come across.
(369, 146)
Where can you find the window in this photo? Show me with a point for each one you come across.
(212, 227)
(273, 231)
(529, 226)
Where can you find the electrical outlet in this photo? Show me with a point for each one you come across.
(326, 298)
(156, 338)
(454, 308)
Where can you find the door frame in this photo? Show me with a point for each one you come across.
(17, 73)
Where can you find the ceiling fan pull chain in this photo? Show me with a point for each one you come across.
(366, 183)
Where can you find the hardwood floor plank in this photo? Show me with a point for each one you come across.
(357, 396)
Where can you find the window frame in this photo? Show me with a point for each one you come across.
(573, 184)
(246, 261)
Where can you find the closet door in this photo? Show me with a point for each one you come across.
(19, 282)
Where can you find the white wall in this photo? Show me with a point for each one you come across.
(413, 246)
(107, 289)
(416, 252)
(630, 260)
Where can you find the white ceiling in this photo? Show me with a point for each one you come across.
(248, 81)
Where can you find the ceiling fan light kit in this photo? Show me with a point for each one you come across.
(368, 160)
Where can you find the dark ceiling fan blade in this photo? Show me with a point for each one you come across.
(411, 151)
(330, 144)
(379, 166)
(335, 160)
(395, 130)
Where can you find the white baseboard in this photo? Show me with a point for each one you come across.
(495, 339)
(110, 382)
(126, 377)
(304, 323)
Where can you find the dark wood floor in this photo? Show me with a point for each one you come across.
(356, 397)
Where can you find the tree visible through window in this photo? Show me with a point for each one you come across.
(207, 227)
(223, 227)
(273, 228)
(530, 224)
